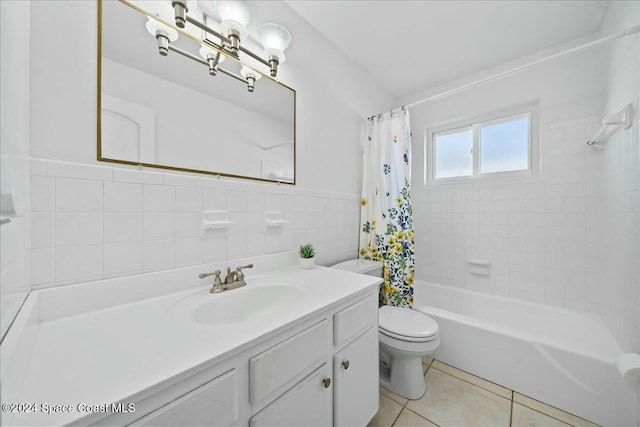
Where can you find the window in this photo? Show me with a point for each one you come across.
(496, 147)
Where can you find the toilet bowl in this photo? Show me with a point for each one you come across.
(405, 336)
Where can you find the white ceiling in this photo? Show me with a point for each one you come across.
(410, 46)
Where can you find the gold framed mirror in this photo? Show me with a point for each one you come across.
(168, 112)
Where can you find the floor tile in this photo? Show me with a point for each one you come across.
(427, 360)
(487, 385)
(424, 368)
(551, 411)
(526, 417)
(409, 418)
(450, 401)
(387, 413)
(393, 396)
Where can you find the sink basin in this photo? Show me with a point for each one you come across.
(246, 304)
(251, 302)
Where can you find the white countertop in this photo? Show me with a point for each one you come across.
(109, 354)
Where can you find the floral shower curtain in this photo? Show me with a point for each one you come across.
(386, 232)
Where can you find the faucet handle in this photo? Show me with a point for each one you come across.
(239, 270)
(216, 280)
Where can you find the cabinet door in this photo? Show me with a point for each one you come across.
(214, 403)
(355, 370)
(308, 403)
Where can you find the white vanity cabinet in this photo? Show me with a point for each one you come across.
(321, 372)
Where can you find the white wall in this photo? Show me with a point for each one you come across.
(620, 210)
(100, 220)
(14, 150)
(620, 266)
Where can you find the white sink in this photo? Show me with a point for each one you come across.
(245, 306)
(251, 302)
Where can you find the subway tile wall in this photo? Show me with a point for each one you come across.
(542, 236)
(93, 222)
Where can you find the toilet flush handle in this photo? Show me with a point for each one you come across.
(345, 364)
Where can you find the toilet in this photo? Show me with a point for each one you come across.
(404, 335)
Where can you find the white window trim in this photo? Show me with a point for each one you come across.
(529, 110)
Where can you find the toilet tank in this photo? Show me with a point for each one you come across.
(362, 266)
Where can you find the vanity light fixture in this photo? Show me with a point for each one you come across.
(235, 17)
(210, 57)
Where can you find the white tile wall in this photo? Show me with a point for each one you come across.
(15, 241)
(618, 272)
(90, 224)
(535, 233)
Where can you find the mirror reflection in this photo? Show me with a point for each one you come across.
(169, 112)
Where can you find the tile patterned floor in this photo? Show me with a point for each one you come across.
(455, 398)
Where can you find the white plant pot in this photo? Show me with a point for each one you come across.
(307, 263)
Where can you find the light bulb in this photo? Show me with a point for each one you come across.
(238, 11)
(274, 36)
(235, 16)
(275, 39)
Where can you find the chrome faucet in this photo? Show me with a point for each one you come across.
(234, 279)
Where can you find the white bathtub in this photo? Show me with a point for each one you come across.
(561, 357)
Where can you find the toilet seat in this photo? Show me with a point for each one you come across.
(406, 324)
(403, 338)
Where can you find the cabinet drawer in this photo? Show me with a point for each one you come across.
(308, 403)
(353, 320)
(281, 363)
(213, 403)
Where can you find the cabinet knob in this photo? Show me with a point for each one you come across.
(326, 382)
(345, 364)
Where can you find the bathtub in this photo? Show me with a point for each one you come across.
(560, 357)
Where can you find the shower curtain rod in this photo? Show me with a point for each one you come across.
(629, 31)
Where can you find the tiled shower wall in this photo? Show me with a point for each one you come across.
(619, 274)
(620, 210)
(93, 222)
(541, 235)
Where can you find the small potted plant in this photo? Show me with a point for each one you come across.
(307, 254)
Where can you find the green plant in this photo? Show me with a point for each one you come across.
(307, 251)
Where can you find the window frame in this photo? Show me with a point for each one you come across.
(529, 111)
